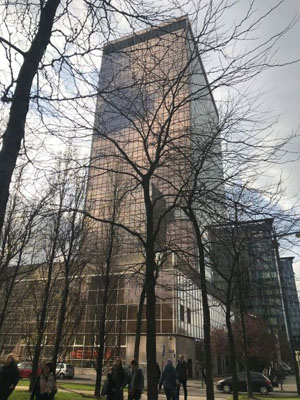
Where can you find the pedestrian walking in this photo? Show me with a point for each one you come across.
(280, 377)
(45, 386)
(182, 368)
(118, 379)
(135, 381)
(169, 379)
(9, 377)
(203, 376)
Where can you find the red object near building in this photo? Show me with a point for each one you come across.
(87, 354)
(25, 370)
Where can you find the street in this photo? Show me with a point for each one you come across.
(197, 392)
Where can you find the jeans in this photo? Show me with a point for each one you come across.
(183, 383)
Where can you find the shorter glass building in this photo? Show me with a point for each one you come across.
(289, 290)
(245, 253)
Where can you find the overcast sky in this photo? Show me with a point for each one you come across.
(282, 95)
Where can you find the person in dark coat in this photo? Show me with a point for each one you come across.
(9, 377)
(169, 379)
(135, 381)
(182, 368)
(118, 379)
(45, 386)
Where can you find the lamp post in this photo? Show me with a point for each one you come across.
(287, 316)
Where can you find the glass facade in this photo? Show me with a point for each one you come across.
(291, 296)
(247, 251)
(154, 99)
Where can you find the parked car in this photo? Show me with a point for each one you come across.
(25, 370)
(64, 371)
(260, 383)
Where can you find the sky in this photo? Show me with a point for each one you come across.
(280, 89)
(282, 98)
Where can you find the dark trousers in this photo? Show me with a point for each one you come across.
(183, 383)
(171, 394)
(136, 395)
(118, 394)
(6, 394)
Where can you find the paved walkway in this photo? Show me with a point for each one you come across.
(197, 392)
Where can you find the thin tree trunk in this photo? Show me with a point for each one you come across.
(60, 322)
(40, 331)
(15, 131)
(244, 340)
(139, 325)
(151, 334)
(206, 312)
(233, 358)
(65, 295)
(112, 237)
(150, 282)
(46, 294)
(99, 366)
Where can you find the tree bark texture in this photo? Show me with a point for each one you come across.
(139, 324)
(150, 282)
(233, 359)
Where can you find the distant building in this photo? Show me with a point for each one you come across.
(248, 248)
(289, 290)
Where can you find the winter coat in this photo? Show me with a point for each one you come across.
(136, 380)
(9, 375)
(168, 378)
(36, 391)
(118, 377)
(182, 368)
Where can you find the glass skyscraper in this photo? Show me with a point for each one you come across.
(155, 109)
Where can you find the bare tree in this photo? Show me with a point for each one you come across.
(104, 250)
(35, 40)
(70, 242)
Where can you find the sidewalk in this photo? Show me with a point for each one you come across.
(197, 392)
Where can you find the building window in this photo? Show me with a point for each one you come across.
(181, 313)
(188, 315)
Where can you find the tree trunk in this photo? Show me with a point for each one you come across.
(15, 131)
(151, 334)
(46, 295)
(65, 295)
(206, 312)
(150, 282)
(233, 359)
(99, 366)
(139, 325)
(246, 357)
(60, 322)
